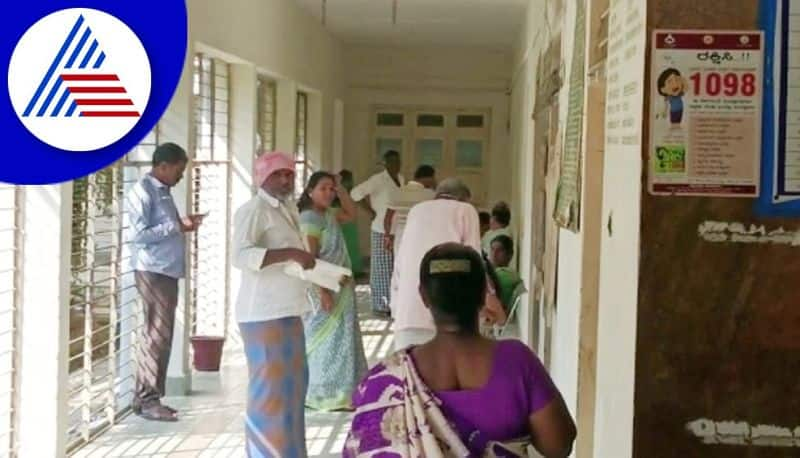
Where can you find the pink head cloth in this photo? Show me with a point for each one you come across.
(269, 163)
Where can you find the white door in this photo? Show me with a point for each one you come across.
(454, 141)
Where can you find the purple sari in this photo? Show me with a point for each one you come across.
(397, 415)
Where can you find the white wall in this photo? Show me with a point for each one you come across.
(443, 68)
(272, 37)
(44, 379)
(619, 270)
(616, 332)
(533, 40)
(521, 151)
(566, 320)
(281, 39)
(425, 77)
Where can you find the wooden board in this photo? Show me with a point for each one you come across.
(718, 323)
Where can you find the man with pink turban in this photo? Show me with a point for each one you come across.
(269, 308)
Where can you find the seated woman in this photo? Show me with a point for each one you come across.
(459, 394)
(508, 279)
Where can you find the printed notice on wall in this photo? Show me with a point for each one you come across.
(625, 81)
(787, 162)
(705, 120)
(568, 195)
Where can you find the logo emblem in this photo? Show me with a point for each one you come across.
(79, 79)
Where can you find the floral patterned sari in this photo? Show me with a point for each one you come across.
(397, 415)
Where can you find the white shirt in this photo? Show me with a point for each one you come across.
(265, 223)
(429, 224)
(380, 188)
(403, 200)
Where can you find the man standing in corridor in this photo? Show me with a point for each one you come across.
(376, 193)
(158, 247)
(269, 309)
(420, 189)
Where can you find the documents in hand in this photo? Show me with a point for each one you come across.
(324, 274)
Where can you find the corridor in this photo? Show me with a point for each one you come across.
(211, 415)
(647, 153)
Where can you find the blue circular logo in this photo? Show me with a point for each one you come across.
(85, 83)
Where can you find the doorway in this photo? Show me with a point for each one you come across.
(453, 141)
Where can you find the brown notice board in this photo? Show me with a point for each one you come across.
(718, 323)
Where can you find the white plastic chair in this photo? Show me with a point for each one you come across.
(519, 291)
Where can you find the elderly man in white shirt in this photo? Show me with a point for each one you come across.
(269, 308)
(447, 219)
(378, 191)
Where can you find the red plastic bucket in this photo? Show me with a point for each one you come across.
(207, 352)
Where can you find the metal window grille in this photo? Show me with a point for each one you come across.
(104, 312)
(303, 166)
(210, 193)
(265, 134)
(10, 287)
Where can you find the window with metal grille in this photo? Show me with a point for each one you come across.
(303, 165)
(104, 314)
(265, 134)
(94, 304)
(10, 283)
(210, 186)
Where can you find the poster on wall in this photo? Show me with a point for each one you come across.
(568, 195)
(781, 140)
(705, 114)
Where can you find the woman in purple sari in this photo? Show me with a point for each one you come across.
(460, 395)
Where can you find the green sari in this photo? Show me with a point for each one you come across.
(508, 280)
(350, 232)
(335, 353)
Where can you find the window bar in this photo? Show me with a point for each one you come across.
(210, 189)
(116, 252)
(16, 317)
(86, 397)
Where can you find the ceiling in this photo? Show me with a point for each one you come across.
(481, 23)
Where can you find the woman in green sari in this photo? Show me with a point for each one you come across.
(335, 353)
(350, 228)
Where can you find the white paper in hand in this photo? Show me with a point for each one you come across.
(324, 274)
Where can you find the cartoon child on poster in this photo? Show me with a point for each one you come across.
(672, 86)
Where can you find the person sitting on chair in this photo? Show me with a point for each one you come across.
(501, 254)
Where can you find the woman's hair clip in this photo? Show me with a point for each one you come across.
(450, 266)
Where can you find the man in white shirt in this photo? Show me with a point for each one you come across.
(449, 218)
(269, 308)
(420, 189)
(375, 194)
(499, 224)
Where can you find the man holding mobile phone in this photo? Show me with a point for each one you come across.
(157, 234)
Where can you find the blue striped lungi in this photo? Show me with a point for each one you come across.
(275, 417)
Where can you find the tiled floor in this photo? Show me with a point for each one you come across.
(211, 418)
(211, 421)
